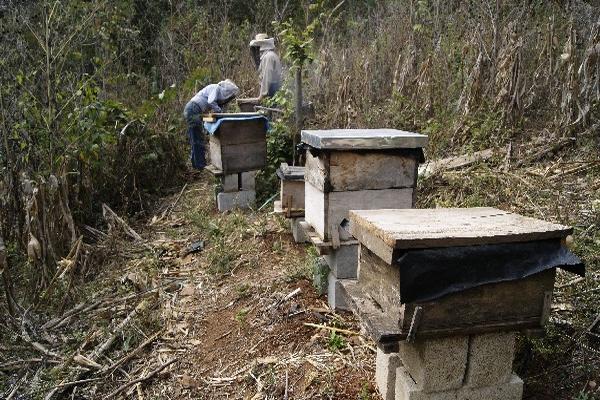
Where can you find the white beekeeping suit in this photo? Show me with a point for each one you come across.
(269, 68)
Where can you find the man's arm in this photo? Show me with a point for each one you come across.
(212, 100)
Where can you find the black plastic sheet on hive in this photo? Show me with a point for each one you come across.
(427, 274)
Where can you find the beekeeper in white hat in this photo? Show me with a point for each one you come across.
(211, 98)
(269, 64)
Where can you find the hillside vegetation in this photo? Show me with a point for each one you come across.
(92, 138)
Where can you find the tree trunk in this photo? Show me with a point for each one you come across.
(8, 292)
(299, 101)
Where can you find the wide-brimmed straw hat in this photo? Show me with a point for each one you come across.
(263, 41)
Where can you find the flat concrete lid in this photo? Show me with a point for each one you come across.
(447, 227)
(363, 139)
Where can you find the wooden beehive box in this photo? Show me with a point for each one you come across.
(239, 145)
(387, 237)
(291, 202)
(358, 169)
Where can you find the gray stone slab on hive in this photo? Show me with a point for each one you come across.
(243, 199)
(343, 261)
(248, 180)
(386, 365)
(335, 293)
(297, 231)
(363, 139)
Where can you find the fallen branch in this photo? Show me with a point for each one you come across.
(170, 209)
(130, 355)
(73, 383)
(18, 364)
(141, 379)
(117, 330)
(332, 328)
(40, 347)
(79, 309)
(101, 349)
(17, 386)
(110, 216)
(450, 163)
(286, 298)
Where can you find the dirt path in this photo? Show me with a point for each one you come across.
(229, 318)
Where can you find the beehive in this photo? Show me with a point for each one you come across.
(291, 199)
(442, 272)
(358, 169)
(239, 145)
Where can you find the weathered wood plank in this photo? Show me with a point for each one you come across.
(339, 203)
(287, 172)
(243, 157)
(379, 280)
(381, 325)
(445, 227)
(340, 171)
(292, 194)
(325, 209)
(371, 170)
(240, 132)
(446, 316)
(214, 148)
(519, 302)
(316, 170)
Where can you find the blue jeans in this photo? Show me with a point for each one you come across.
(193, 116)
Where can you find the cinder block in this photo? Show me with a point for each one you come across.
(436, 364)
(385, 373)
(248, 180)
(407, 389)
(511, 390)
(490, 359)
(297, 231)
(335, 296)
(230, 183)
(343, 261)
(242, 199)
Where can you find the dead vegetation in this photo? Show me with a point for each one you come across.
(236, 317)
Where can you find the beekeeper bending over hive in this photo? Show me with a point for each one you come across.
(268, 63)
(210, 99)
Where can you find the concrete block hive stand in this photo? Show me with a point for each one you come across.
(354, 169)
(438, 292)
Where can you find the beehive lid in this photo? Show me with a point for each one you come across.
(363, 139)
(383, 231)
(290, 173)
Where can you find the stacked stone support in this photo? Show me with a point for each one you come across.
(475, 367)
(238, 191)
